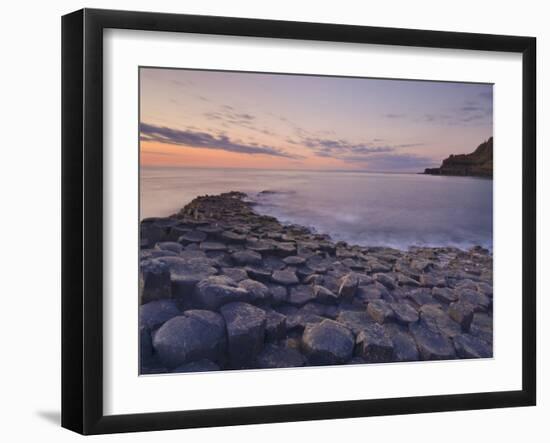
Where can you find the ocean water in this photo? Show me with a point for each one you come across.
(370, 209)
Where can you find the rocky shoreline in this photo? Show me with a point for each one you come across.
(222, 287)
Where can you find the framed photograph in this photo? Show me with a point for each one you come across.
(269, 221)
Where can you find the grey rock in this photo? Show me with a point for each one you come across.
(155, 278)
(438, 320)
(294, 260)
(404, 348)
(431, 345)
(273, 263)
(245, 332)
(404, 280)
(300, 295)
(469, 346)
(186, 272)
(479, 301)
(380, 311)
(482, 327)
(462, 313)
(189, 337)
(275, 328)
(235, 274)
(278, 293)
(258, 292)
(247, 257)
(145, 343)
(422, 296)
(386, 280)
(355, 321)
(233, 237)
(298, 321)
(212, 246)
(369, 293)
(444, 295)
(318, 264)
(258, 273)
(404, 313)
(430, 281)
(324, 295)
(373, 344)
(285, 277)
(169, 246)
(155, 313)
(214, 292)
(327, 343)
(192, 237)
(285, 249)
(273, 356)
(348, 286)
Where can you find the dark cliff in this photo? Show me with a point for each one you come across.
(478, 163)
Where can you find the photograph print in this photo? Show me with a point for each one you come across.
(292, 220)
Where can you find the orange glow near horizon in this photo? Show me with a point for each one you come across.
(217, 119)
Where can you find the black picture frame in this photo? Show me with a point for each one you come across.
(82, 218)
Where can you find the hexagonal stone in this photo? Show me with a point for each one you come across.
(356, 321)
(431, 345)
(278, 294)
(275, 327)
(374, 345)
(258, 292)
(404, 280)
(300, 295)
(369, 293)
(318, 264)
(285, 277)
(482, 327)
(479, 301)
(215, 291)
(192, 336)
(273, 356)
(327, 343)
(186, 272)
(233, 237)
(422, 296)
(285, 249)
(324, 295)
(235, 274)
(387, 280)
(294, 260)
(439, 321)
(155, 280)
(247, 257)
(245, 332)
(462, 313)
(348, 286)
(258, 273)
(298, 321)
(468, 346)
(155, 313)
(169, 246)
(404, 313)
(212, 246)
(444, 295)
(380, 311)
(404, 348)
(192, 237)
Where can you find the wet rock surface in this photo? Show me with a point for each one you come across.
(222, 287)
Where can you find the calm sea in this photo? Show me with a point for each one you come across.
(371, 209)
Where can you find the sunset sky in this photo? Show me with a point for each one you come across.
(197, 118)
